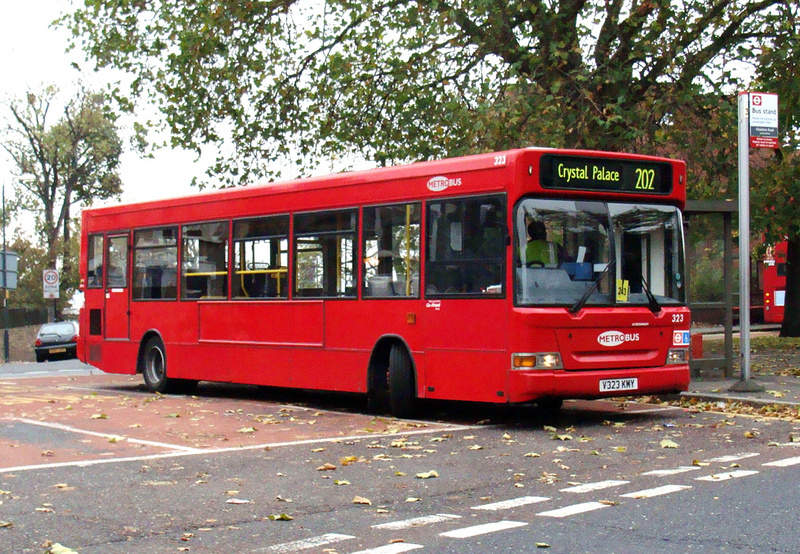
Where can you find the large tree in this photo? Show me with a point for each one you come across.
(395, 80)
(72, 161)
(776, 202)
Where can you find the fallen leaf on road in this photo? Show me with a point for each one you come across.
(247, 430)
(532, 455)
(99, 416)
(362, 500)
(326, 467)
(427, 475)
(237, 501)
(281, 517)
(666, 443)
(60, 549)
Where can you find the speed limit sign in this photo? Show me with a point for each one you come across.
(50, 283)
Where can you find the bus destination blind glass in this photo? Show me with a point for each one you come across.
(600, 174)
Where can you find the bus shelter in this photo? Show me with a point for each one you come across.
(714, 211)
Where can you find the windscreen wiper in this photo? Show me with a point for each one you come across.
(652, 303)
(580, 303)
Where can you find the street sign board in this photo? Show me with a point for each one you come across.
(50, 283)
(8, 270)
(763, 119)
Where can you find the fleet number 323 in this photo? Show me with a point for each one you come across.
(645, 178)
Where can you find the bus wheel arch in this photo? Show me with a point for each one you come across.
(152, 364)
(392, 378)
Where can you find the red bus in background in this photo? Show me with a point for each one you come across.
(403, 283)
(774, 283)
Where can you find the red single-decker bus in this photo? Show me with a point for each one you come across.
(519, 276)
(775, 283)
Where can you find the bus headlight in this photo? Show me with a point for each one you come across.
(537, 360)
(677, 356)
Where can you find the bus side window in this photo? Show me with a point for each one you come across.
(391, 251)
(204, 261)
(155, 264)
(325, 254)
(260, 258)
(466, 246)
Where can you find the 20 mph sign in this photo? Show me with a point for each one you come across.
(50, 283)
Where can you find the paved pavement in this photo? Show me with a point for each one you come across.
(781, 390)
(776, 375)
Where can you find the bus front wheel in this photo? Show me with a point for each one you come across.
(402, 394)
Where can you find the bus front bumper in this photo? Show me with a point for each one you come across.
(527, 386)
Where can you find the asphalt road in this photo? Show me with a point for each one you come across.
(97, 464)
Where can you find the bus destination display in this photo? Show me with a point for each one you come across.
(600, 174)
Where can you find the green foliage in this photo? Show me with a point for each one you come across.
(33, 260)
(71, 162)
(284, 83)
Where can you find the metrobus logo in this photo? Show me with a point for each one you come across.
(438, 184)
(615, 338)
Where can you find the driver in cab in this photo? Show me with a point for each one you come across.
(539, 251)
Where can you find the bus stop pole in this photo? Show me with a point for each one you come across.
(745, 384)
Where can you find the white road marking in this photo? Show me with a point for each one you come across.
(513, 503)
(667, 472)
(733, 457)
(305, 544)
(727, 475)
(658, 491)
(784, 463)
(188, 451)
(484, 529)
(68, 428)
(574, 509)
(395, 548)
(415, 522)
(591, 487)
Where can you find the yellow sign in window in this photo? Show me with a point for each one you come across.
(623, 288)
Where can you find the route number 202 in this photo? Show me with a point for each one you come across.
(645, 178)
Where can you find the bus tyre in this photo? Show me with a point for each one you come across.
(402, 394)
(549, 405)
(154, 366)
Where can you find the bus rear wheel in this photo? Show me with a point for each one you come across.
(154, 370)
(154, 366)
(402, 393)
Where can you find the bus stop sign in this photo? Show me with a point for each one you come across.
(763, 120)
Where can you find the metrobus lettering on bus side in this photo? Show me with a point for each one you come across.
(492, 283)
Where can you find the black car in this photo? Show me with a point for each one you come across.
(57, 340)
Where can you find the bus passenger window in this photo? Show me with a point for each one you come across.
(204, 261)
(325, 254)
(260, 258)
(466, 247)
(155, 264)
(94, 262)
(391, 251)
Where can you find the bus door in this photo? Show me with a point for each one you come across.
(465, 316)
(117, 291)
